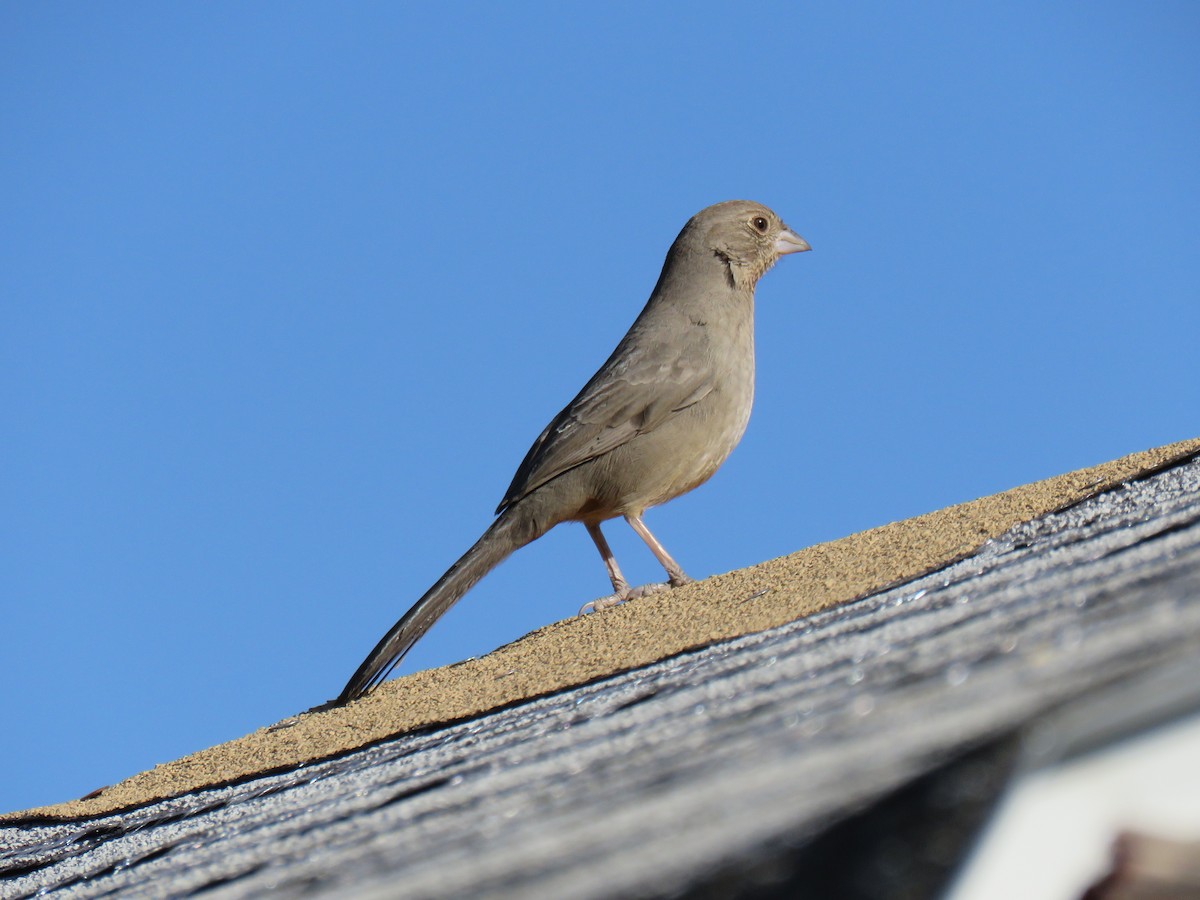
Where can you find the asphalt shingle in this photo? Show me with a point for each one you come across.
(660, 779)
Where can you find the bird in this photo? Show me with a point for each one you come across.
(655, 421)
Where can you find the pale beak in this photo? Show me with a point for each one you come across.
(790, 242)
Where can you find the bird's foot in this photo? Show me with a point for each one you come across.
(620, 597)
(599, 604)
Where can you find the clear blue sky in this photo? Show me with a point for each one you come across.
(288, 290)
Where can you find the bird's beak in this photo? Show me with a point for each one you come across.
(790, 242)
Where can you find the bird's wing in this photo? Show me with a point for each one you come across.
(637, 390)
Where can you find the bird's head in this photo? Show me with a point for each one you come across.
(747, 236)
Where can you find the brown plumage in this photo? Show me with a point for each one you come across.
(657, 419)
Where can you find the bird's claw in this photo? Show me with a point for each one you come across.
(617, 599)
(598, 604)
(646, 590)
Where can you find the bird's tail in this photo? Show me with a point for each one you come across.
(512, 530)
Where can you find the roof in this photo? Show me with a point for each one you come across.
(567, 763)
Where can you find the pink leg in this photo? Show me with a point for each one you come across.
(675, 573)
(621, 589)
(620, 585)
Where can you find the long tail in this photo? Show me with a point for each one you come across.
(511, 531)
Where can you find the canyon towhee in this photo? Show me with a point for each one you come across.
(657, 420)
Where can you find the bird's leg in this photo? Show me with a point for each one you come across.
(621, 589)
(675, 573)
(620, 585)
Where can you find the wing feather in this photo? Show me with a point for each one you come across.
(632, 394)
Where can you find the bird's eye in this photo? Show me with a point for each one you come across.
(759, 224)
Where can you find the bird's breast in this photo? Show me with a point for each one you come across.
(687, 450)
